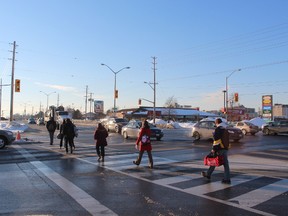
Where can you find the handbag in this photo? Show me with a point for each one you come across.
(59, 136)
(213, 160)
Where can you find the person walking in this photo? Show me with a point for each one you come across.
(68, 132)
(100, 136)
(61, 133)
(220, 146)
(145, 144)
(51, 127)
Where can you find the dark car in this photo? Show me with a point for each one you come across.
(205, 129)
(276, 127)
(114, 124)
(6, 137)
(31, 121)
(132, 129)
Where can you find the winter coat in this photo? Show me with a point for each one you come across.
(53, 126)
(68, 130)
(100, 136)
(145, 147)
(217, 137)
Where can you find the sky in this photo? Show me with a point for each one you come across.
(197, 46)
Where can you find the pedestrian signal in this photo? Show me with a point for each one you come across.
(17, 85)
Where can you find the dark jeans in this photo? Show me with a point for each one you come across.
(100, 149)
(51, 135)
(226, 165)
(138, 161)
(70, 141)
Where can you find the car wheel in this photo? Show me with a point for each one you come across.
(125, 135)
(3, 142)
(244, 131)
(266, 131)
(196, 135)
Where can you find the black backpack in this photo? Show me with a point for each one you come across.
(225, 138)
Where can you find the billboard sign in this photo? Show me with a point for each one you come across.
(267, 106)
(98, 106)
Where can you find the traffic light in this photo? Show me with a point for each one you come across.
(116, 94)
(139, 102)
(17, 85)
(236, 97)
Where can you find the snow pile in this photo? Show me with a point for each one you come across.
(258, 121)
(13, 126)
(164, 124)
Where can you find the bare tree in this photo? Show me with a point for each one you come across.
(170, 104)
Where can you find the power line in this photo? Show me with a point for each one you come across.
(226, 71)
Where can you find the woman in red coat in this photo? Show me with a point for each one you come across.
(100, 136)
(145, 144)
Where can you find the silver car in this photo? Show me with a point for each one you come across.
(132, 129)
(204, 130)
(247, 127)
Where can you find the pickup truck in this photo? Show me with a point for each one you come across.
(274, 128)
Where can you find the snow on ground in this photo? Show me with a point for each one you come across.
(13, 126)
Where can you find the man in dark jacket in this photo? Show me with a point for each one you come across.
(51, 127)
(221, 148)
(69, 134)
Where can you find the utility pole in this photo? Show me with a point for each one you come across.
(57, 100)
(12, 82)
(90, 99)
(86, 97)
(154, 83)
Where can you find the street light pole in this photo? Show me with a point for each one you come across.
(115, 73)
(154, 95)
(47, 98)
(227, 95)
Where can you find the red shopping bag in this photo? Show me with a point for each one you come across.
(214, 161)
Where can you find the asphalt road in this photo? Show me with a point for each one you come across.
(39, 179)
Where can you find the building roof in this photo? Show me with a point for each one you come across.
(172, 111)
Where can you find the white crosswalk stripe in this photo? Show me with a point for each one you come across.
(263, 194)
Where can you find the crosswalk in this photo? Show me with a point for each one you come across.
(252, 192)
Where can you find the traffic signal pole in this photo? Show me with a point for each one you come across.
(12, 83)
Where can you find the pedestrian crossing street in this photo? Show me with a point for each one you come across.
(247, 191)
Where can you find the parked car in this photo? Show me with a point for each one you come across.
(6, 137)
(204, 130)
(114, 124)
(31, 121)
(132, 129)
(40, 121)
(247, 127)
(274, 128)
